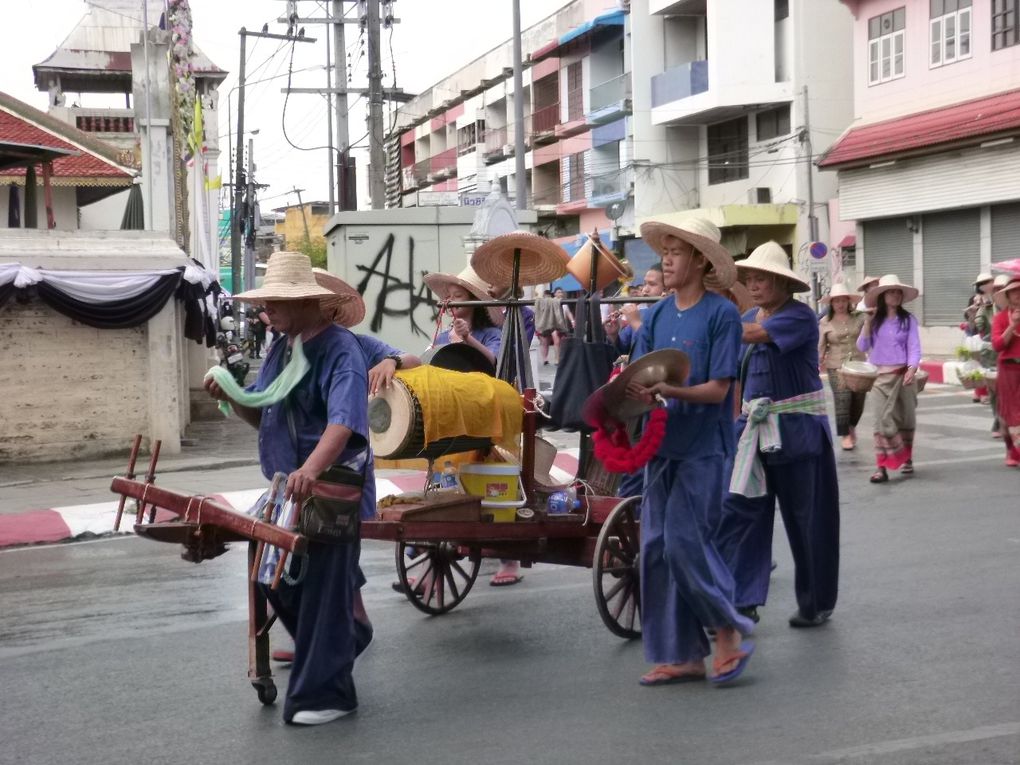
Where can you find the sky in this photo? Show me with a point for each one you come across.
(422, 54)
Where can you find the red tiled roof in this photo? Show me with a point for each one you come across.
(926, 130)
(85, 164)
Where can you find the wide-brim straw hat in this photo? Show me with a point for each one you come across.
(839, 290)
(349, 311)
(542, 261)
(608, 267)
(705, 237)
(289, 276)
(867, 284)
(983, 278)
(610, 402)
(1001, 297)
(890, 282)
(469, 280)
(770, 258)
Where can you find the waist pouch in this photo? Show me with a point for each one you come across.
(332, 514)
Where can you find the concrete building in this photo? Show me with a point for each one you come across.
(296, 223)
(648, 108)
(930, 169)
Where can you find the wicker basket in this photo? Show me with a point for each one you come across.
(991, 378)
(920, 379)
(858, 376)
(970, 381)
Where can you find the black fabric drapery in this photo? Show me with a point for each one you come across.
(6, 292)
(116, 314)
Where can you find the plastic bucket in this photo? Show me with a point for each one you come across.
(501, 512)
(494, 482)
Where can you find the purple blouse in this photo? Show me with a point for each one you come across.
(893, 344)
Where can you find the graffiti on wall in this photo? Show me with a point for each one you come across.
(397, 297)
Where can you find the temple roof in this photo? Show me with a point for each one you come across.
(96, 56)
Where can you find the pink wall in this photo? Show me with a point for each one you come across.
(921, 88)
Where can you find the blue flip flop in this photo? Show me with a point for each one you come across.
(747, 647)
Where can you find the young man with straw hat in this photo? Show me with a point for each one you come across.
(685, 586)
(785, 448)
(320, 422)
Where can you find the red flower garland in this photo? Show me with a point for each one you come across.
(614, 450)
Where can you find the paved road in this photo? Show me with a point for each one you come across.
(116, 651)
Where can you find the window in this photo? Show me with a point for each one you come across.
(885, 46)
(773, 123)
(950, 31)
(727, 151)
(1005, 14)
(575, 94)
(469, 136)
(575, 178)
(782, 9)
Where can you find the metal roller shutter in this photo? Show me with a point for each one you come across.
(1005, 231)
(888, 248)
(952, 258)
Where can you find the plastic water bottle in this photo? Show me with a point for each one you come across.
(563, 501)
(448, 480)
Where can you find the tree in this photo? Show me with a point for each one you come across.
(316, 252)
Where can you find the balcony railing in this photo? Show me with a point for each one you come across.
(105, 123)
(679, 82)
(545, 118)
(443, 161)
(421, 171)
(495, 139)
(610, 92)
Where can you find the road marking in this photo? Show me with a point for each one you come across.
(983, 733)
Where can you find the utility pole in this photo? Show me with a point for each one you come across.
(343, 138)
(235, 217)
(249, 229)
(520, 174)
(376, 155)
(304, 215)
(329, 126)
(812, 218)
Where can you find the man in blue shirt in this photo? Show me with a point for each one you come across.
(321, 422)
(685, 585)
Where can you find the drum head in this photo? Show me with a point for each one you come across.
(458, 357)
(391, 419)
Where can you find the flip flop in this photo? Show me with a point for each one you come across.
(505, 580)
(661, 677)
(746, 649)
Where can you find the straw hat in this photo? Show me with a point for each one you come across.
(839, 290)
(289, 276)
(608, 267)
(705, 237)
(610, 402)
(890, 282)
(867, 284)
(350, 311)
(770, 258)
(1001, 281)
(1001, 297)
(983, 278)
(542, 261)
(469, 280)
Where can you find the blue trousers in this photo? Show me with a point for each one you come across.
(318, 613)
(808, 495)
(632, 484)
(685, 585)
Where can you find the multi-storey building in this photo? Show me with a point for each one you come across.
(930, 169)
(672, 108)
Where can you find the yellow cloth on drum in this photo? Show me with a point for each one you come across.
(465, 404)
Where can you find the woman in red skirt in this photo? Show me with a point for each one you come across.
(1006, 341)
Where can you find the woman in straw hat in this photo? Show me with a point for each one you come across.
(685, 586)
(978, 323)
(837, 344)
(1006, 341)
(319, 423)
(785, 448)
(476, 326)
(893, 343)
(998, 304)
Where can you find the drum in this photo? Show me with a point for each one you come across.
(397, 429)
(458, 357)
(858, 376)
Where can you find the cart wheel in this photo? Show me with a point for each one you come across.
(266, 689)
(615, 570)
(442, 575)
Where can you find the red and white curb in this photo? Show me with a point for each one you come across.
(59, 524)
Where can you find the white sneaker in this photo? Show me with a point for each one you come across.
(319, 716)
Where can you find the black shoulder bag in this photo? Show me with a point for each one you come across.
(586, 360)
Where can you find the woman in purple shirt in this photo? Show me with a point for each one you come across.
(891, 337)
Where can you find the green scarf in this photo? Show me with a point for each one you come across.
(278, 389)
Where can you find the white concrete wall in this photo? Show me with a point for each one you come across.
(922, 87)
(106, 214)
(65, 207)
(71, 391)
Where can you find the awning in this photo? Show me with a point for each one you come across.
(612, 18)
(847, 242)
(930, 129)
